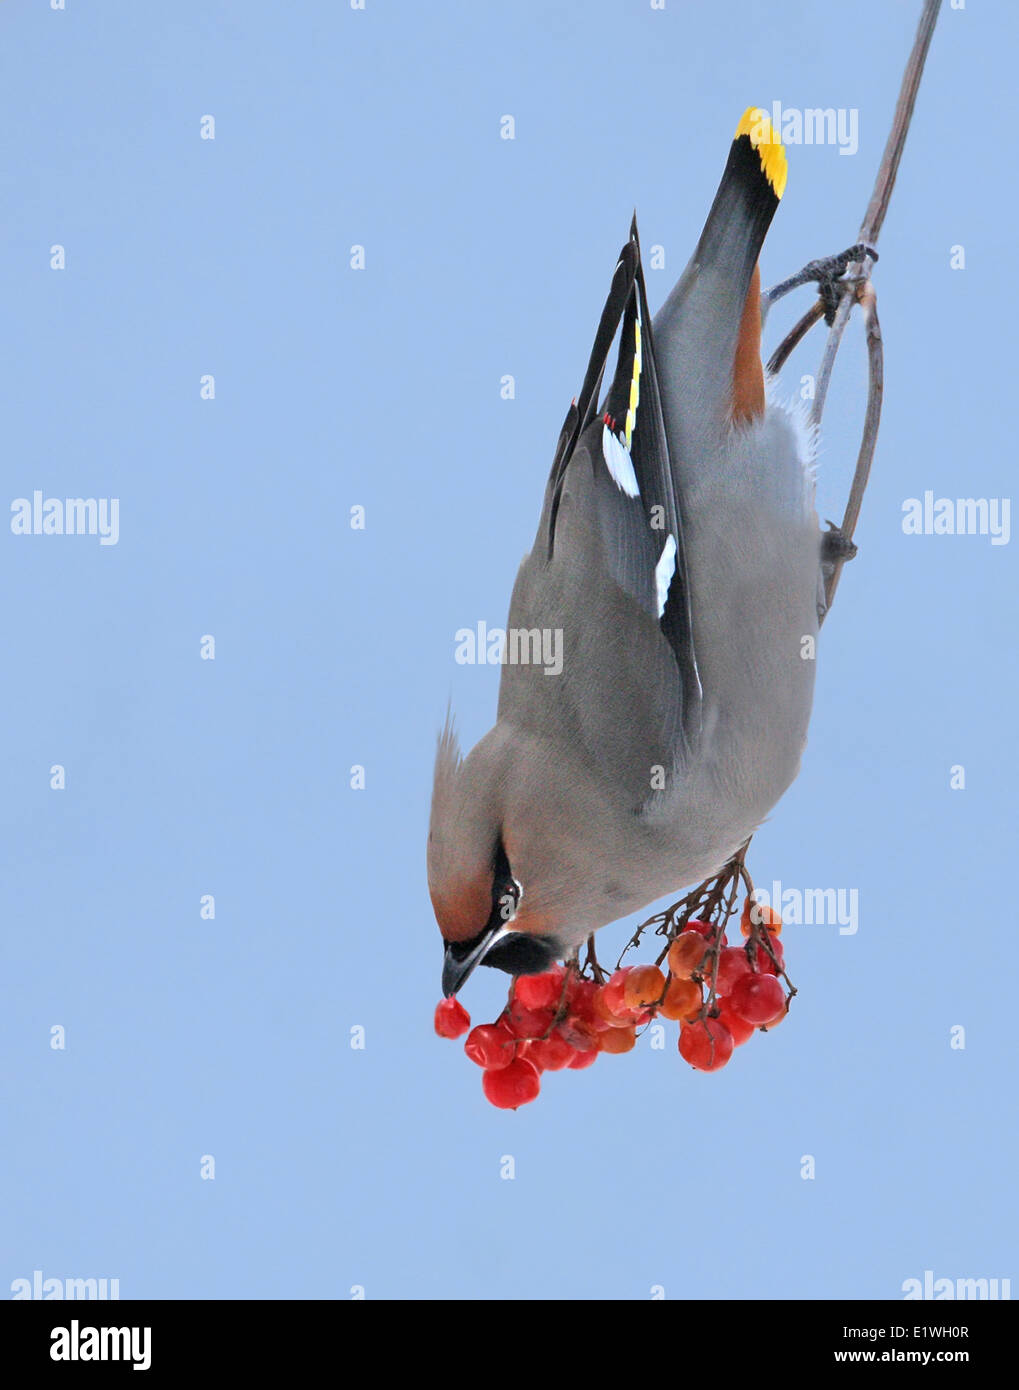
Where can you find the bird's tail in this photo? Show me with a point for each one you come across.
(707, 334)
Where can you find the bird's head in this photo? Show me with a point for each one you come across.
(478, 894)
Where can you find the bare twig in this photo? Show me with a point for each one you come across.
(799, 330)
(875, 395)
(874, 218)
(591, 963)
(857, 281)
(831, 347)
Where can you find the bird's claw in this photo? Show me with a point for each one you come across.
(835, 546)
(829, 274)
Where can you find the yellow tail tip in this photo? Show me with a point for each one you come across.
(756, 123)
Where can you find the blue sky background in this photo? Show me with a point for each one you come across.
(381, 1168)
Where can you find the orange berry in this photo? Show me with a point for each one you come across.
(643, 986)
(757, 915)
(686, 954)
(682, 999)
(617, 1040)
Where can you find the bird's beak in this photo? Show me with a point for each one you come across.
(457, 965)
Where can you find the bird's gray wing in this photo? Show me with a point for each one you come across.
(608, 569)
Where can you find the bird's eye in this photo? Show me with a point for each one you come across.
(509, 897)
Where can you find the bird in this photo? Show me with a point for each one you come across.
(679, 557)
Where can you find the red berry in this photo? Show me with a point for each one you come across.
(582, 999)
(599, 1025)
(732, 963)
(550, 1054)
(773, 1023)
(763, 961)
(580, 1035)
(491, 1045)
(527, 1023)
(739, 1028)
(709, 930)
(539, 991)
(612, 992)
(757, 998)
(513, 1085)
(604, 1013)
(581, 1060)
(451, 1018)
(706, 1045)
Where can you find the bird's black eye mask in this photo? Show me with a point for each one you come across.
(506, 891)
(516, 952)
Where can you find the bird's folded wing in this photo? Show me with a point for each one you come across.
(609, 563)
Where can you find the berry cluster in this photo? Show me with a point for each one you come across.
(719, 994)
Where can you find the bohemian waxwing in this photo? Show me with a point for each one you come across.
(679, 556)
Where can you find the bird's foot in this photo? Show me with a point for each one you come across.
(835, 546)
(828, 273)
